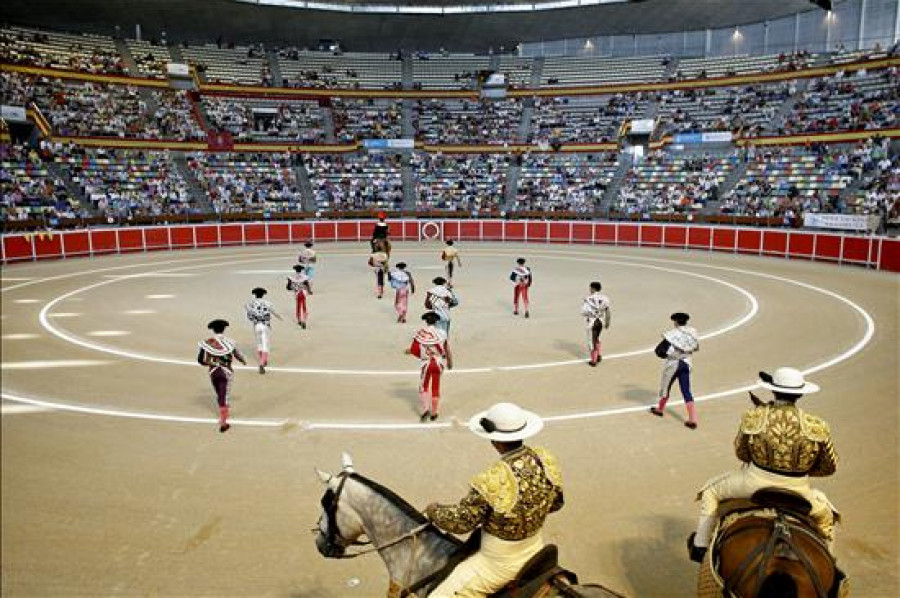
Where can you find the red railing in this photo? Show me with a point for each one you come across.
(877, 252)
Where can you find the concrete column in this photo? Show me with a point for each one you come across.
(861, 29)
(707, 46)
(796, 31)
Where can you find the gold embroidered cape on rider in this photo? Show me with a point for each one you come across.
(785, 439)
(510, 500)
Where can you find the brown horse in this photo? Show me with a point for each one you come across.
(769, 549)
(382, 245)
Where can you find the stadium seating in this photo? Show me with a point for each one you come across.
(28, 189)
(666, 183)
(127, 183)
(353, 182)
(571, 183)
(356, 119)
(573, 71)
(584, 119)
(460, 182)
(467, 121)
(236, 64)
(88, 53)
(301, 68)
(250, 119)
(248, 182)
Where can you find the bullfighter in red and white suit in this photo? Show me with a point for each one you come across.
(431, 346)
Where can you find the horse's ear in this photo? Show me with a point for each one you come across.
(347, 462)
(323, 476)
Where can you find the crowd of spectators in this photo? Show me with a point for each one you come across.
(299, 121)
(38, 49)
(85, 108)
(29, 191)
(123, 184)
(257, 183)
(584, 120)
(564, 183)
(366, 118)
(472, 183)
(669, 184)
(468, 121)
(356, 182)
(865, 100)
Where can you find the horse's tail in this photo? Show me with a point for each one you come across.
(778, 585)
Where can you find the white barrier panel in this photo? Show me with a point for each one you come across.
(856, 222)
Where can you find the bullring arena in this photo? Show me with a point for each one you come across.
(735, 160)
(117, 482)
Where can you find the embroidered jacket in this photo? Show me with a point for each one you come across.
(218, 351)
(785, 439)
(596, 307)
(510, 500)
(429, 343)
(259, 311)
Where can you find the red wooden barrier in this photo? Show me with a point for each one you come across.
(876, 252)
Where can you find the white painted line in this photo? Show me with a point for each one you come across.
(25, 301)
(282, 271)
(65, 315)
(42, 365)
(14, 278)
(7, 409)
(150, 275)
(139, 415)
(340, 426)
(139, 312)
(109, 333)
(754, 308)
(159, 296)
(19, 337)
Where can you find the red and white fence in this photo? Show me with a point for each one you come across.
(875, 252)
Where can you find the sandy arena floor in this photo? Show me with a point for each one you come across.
(110, 504)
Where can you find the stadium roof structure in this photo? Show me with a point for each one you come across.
(388, 25)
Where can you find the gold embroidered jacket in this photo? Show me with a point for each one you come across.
(785, 439)
(510, 500)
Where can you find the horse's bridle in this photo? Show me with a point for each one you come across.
(781, 533)
(335, 544)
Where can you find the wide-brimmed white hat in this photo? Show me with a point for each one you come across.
(787, 380)
(506, 422)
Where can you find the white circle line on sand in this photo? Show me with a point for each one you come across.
(867, 336)
(258, 423)
(45, 314)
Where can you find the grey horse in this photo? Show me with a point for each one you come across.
(413, 550)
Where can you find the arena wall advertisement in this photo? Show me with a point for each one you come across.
(881, 253)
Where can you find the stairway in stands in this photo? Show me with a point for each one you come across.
(275, 68)
(75, 191)
(787, 106)
(132, 69)
(406, 71)
(198, 195)
(728, 185)
(409, 186)
(328, 123)
(612, 190)
(306, 189)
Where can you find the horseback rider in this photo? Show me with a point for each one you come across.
(509, 501)
(380, 234)
(782, 446)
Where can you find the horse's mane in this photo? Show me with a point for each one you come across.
(404, 507)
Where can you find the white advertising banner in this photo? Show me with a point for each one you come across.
(855, 222)
(177, 69)
(14, 114)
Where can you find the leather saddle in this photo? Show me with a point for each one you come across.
(540, 570)
(537, 572)
(780, 499)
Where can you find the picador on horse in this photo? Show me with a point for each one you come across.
(505, 508)
(781, 446)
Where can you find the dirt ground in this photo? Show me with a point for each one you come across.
(139, 500)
